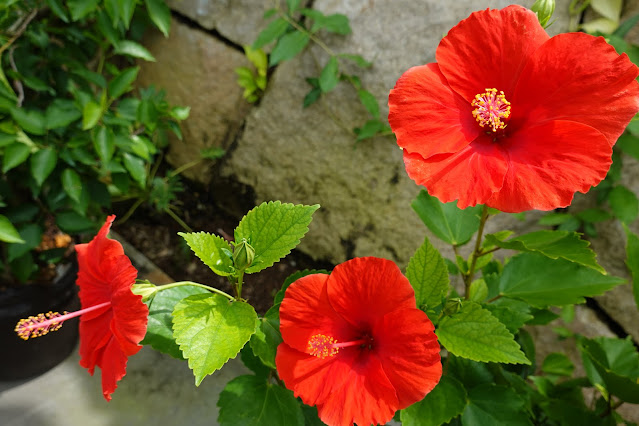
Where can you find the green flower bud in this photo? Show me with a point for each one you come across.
(544, 10)
(243, 255)
(452, 306)
(144, 289)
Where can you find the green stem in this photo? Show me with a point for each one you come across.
(177, 218)
(133, 208)
(238, 285)
(471, 271)
(186, 166)
(310, 35)
(183, 283)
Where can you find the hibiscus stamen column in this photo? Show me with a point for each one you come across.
(41, 324)
(490, 109)
(323, 346)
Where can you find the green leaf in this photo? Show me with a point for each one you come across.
(72, 184)
(267, 337)
(61, 113)
(623, 203)
(359, 61)
(478, 291)
(125, 11)
(632, 261)
(441, 405)
(136, 168)
(288, 47)
(80, 8)
(73, 223)
(273, 229)
(292, 5)
(160, 14)
(610, 9)
(615, 363)
(14, 155)
(557, 364)
(210, 330)
(311, 97)
(133, 49)
(494, 405)
(274, 30)
(428, 274)
(542, 281)
(58, 9)
(213, 250)
(335, 23)
(553, 219)
(445, 220)
(510, 312)
(31, 233)
(474, 333)
(91, 114)
(42, 164)
(253, 363)
(553, 244)
(8, 233)
(104, 144)
(369, 102)
(330, 75)
(252, 401)
(180, 113)
(122, 83)
(159, 332)
(31, 120)
(370, 129)
(105, 25)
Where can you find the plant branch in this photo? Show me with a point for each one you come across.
(471, 271)
(183, 283)
(20, 30)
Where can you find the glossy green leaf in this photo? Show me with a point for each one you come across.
(125, 11)
(58, 9)
(445, 220)
(91, 114)
(441, 405)
(159, 332)
(623, 203)
(428, 275)
(251, 400)
(14, 155)
(31, 234)
(32, 121)
(557, 364)
(61, 113)
(542, 281)
(267, 337)
(136, 168)
(105, 25)
(494, 405)
(478, 291)
(476, 334)
(160, 14)
(274, 229)
(104, 144)
(80, 8)
(133, 49)
(210, 330)
(329, 76)
(73, 223)
(213, 250)
(253, 363)
(8, 233)
(288, 47)
(42, 164)
(72, 184)
(553, 244)
(122, 83)
(272, 31)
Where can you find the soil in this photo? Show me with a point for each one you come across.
(155, 235)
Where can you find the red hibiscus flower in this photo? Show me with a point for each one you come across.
(510, 117)
(355, 345)
(113, 319)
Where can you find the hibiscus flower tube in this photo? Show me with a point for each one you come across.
(354, 343)
(113, 320)
(510, 117)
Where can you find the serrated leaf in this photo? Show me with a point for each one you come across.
(428, 275)
(553, 244)
(623, 203)
(159, 331)
(632, 261)
(8, 233)
(442, 404)
(288, 47)
(213, 250)
(273, 229)
(160, 14)
(72, 184)
(250, 400)
(133, 49)
(510, 312)
(122, 82)
(267, 337)
(494, 405)
(446, 220)
(542, 281)
(272, 31)
(474, 333)
(14, 155)
(210, 330)
(42, 164)
(329, 76)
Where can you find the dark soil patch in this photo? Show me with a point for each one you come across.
(155, 235)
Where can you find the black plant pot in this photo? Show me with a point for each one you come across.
(20, 359)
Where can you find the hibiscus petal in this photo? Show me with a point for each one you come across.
(470, 176)
(94, 336)
(489, 50)
(548, 163)
(362, 289)
(581, 78)
(427, 116)
(113, 366)
(306, 311)
(406, 345)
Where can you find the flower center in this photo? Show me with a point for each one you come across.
(41, 324)
(490, 109)
(322, 346)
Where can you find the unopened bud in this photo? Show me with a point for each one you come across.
(452, 306)
(243, 255)
(544, 10)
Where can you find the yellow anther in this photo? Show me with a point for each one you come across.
(491, 108)
(322, 346)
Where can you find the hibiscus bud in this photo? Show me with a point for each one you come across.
(145, 289)
(452, 306)
(243, 255)
(544, 10)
